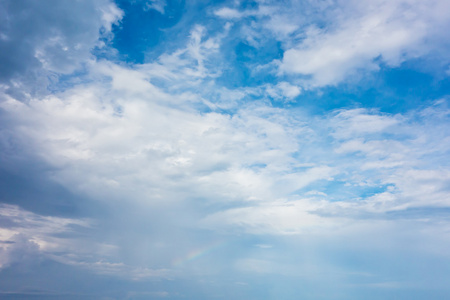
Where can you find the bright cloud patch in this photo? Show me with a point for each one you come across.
(383, 32)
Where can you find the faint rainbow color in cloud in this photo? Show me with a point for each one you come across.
(197, 253)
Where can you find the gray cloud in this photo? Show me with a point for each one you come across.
(41, 39)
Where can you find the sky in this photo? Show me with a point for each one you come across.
(266, 150)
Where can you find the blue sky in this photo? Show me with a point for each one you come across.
(224, 149)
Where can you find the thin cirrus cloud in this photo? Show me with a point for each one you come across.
(169, 180)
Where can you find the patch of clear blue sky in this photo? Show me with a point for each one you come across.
(142, 29)
(390, 90)
(143, 34)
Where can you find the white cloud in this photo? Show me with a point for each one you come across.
(283, 90)
(189, 64)
(158, 5)
(278, 25)
(392, 31)
(124, 140)
(228, 13)
(92, 130)
(346, 39)
(360, 122)
(277, 217)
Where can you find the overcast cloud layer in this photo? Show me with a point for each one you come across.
(232, 150)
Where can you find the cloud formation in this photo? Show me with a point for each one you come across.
(178, 172)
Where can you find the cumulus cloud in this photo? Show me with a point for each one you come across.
(138, 132)
(29, 235)
(20, 250)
